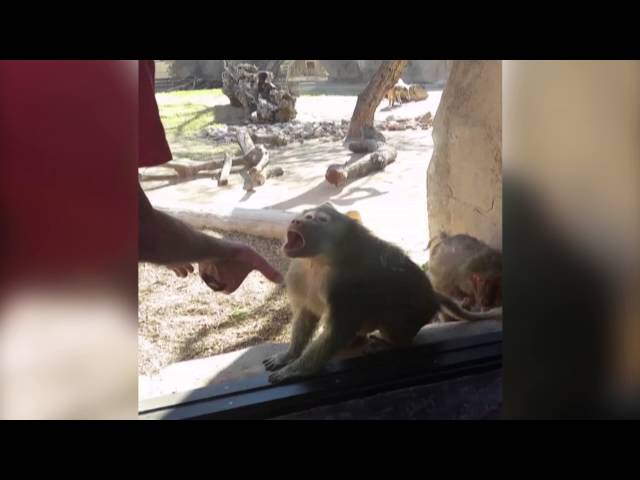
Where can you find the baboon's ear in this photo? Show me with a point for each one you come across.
(354, 215)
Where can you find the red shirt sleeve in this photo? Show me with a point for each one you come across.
(154, 149)
(69, 152)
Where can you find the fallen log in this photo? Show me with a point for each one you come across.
(183, 171)
(191, 170)
(252, 155)
(276, 140)
(263, 223)
(255, 177)
(339, 174)
(223, 179)
(244, 139)
(275, 172)
(210, 165)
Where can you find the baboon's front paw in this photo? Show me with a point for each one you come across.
(375, 345)
(275, 362)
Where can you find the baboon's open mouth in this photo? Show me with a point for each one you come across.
(295, 241)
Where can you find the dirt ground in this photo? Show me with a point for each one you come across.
(181, 318)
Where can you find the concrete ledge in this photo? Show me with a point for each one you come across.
(199, 373)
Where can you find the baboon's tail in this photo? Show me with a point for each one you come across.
(454, 310)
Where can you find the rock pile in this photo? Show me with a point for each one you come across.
(279, 134)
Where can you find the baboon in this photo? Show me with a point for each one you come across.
(467, 269)
(351, 284)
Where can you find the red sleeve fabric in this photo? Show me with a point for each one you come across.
(154, 149)
(68, 165)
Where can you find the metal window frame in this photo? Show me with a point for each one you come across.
(254, 398)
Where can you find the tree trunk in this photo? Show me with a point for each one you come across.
(386, 77)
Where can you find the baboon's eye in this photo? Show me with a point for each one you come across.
(323, 218)
(308, 216)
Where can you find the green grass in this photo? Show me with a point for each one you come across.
(200, 149)
(239, 315)
(185, 119)
(184, 114)
(215, 92)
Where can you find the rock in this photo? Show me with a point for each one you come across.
(418, 93)
(464, 179)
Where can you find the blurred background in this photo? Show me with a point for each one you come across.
(571, 154)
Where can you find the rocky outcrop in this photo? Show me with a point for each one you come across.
(464, 179)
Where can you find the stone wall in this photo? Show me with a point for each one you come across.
(208, 69)
(418, 71)
(464, 179)
(303, 68)
(427, 71)
(343, 70)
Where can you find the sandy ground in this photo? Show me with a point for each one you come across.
(182, 319)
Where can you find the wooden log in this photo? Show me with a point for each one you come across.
(251, 157)
(263, 223)
(223, 179)
(244, 139)
(274, 172)
(210, 165)
(192, 170)
(183, 171)
(252, 154)
(255, 177)
(277, 140)
(264, 160)
(339, 174)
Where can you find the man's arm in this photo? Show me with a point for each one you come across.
(166, 240)
(223, 264)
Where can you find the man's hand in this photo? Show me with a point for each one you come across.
(226, 275)
(181, 269)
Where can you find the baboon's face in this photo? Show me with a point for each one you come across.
(489, 291)
(317, 231)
